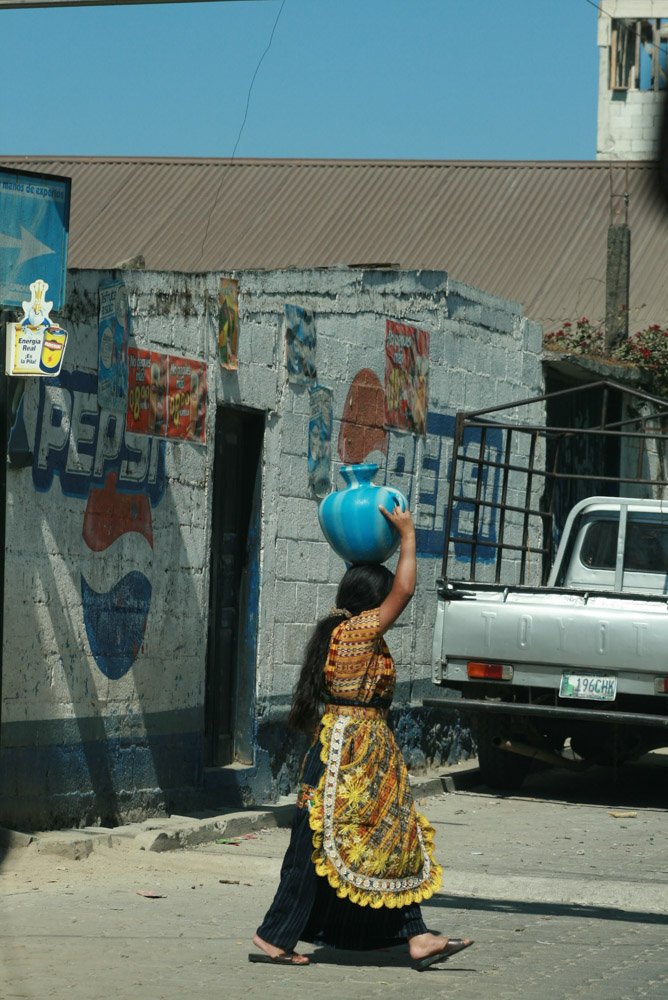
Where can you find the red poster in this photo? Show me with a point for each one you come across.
(187, 400)
(406, 373)
(166, 396)
(147, 386)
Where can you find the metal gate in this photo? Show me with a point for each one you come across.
(514, 476)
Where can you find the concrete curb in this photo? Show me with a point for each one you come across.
(11, 839)
(455, 778)
(170, 833)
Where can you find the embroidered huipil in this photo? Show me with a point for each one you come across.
(369, 841)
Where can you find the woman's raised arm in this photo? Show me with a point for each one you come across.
(405, 576)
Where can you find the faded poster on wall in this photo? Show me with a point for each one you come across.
(147, 393)
(187, 400)
(300, 344)
(166, 396)
(113, 336)
(320, 440)
(406, 377)
(228, 324)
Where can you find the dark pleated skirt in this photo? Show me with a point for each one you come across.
(306, 908)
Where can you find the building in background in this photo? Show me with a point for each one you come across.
(633, 78)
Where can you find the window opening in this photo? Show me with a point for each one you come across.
(639, 54)
(646, 549)
(599, 548)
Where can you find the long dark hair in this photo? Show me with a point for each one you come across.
(363, 586)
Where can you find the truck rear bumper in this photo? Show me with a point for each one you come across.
(547, 711)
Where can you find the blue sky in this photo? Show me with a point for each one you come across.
(416, 79)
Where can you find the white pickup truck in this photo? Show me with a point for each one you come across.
(574, 672)
(551, 632)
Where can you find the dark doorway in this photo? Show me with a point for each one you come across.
(579, 454)
(235, 546)
(5, 426)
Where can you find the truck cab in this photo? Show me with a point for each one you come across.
(612, 544)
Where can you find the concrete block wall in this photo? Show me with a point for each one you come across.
(629, 127)
(482, 351)
(104, 697)
(498, 342)
(106, 583)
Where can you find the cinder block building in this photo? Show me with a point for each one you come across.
(159, 592)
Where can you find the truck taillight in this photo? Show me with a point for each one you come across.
(480, 671)
(661, 685)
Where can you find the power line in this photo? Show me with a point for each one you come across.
(243, 123)
(257, 70)
(24, 4)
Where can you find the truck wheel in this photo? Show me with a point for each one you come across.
(498, 768)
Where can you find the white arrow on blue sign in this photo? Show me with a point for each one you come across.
(34, 226)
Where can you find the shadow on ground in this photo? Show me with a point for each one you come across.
(568, 910)
(641, 784)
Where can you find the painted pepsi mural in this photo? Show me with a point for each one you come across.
(121, 478)
(105, 615)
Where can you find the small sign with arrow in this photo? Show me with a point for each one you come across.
(34, 227)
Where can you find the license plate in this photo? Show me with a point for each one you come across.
(593, 687)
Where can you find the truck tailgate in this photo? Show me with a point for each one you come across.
(551, 628)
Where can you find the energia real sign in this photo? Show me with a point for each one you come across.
(35, 345)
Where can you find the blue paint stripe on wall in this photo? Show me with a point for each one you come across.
(107, 775)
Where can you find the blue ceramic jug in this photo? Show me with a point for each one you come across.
(350, 519)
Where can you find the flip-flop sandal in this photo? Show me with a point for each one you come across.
(285, 958)
(453, 946)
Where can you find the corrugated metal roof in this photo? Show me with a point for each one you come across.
(535, 232)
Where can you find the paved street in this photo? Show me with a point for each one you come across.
(566, 900)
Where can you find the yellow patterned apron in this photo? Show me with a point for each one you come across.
(368, 839)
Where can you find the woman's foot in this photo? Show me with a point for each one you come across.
(279, 955)
(427, 949)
